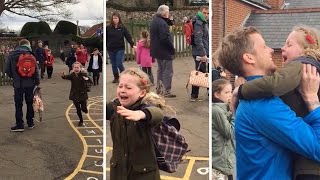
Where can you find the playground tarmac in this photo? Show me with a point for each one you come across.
(53, 149)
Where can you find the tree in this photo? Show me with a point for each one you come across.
(44, 10)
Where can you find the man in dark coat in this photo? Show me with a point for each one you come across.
(200, 45)
(161, 48)
(23, 86)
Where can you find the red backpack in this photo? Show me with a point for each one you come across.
(26, 65)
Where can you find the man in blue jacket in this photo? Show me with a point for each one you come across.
(161, 48)
(23, 86)
(267, 131)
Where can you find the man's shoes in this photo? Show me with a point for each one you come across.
(17, 129)
(31, 126)
(193, 99)
(169, 95)
(80, 123)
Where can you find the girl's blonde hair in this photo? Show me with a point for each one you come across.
(145, 39)
(145, 84)
(309, 40)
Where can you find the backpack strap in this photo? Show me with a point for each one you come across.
(308, 60)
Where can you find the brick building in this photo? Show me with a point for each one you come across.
(274, 18)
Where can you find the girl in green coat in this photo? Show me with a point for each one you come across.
(132, 115)
(223, 152)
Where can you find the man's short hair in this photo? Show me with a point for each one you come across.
(204, 7)
(162, 9)
(232, 48)
(24, 42)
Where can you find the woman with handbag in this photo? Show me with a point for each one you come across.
(223, 147)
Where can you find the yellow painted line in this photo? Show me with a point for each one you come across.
(93, 136)
(92, 120)
(92, 172)
(85, 149)
(108, 149)
(95, 146)
(189, 169)
(84, 127)
(198, 158)
(85, 120)
(91, 156)
(169, 178)
(85, 146)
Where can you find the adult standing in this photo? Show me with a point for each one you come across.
(82, 55)
(161, 48)
(23, 86)
(116, 32)
(40, 55)
(200, 46)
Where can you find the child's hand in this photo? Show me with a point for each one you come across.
(85, 78)
(131, 115)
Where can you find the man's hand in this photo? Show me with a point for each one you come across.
(131, 115)
(204, 59)
(239, 81)
(309, 86)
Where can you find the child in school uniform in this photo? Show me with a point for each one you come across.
(132, 115)
(78, 91)
(49, 63)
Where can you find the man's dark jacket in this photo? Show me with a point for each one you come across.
(11, 69)
(161, 46)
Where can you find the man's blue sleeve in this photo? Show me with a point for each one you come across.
(281, 125)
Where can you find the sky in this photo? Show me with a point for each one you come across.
(88, 12)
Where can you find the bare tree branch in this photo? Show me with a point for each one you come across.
(45, 10)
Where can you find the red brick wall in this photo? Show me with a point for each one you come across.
(277, 58)
(217, 22)
(237, 12)
(275, 4)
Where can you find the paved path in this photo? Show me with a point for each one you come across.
(193, 116)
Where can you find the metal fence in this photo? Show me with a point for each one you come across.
(179, 40)
(4, 79)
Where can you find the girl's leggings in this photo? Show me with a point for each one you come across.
(81, 106)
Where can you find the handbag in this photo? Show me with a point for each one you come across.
(198, 78)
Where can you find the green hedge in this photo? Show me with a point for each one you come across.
(35, 28)
(66, 28)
